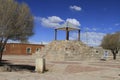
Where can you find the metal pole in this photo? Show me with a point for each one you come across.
(55, 34)
(67, 33)
(78, 35)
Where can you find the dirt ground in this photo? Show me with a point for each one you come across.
(68, 70)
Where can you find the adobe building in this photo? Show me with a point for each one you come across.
(21, 48)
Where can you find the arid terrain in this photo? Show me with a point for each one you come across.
(22, 68)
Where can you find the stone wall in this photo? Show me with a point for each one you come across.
(72, 51)
(68, 51)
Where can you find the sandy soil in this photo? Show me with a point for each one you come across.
(72, 70)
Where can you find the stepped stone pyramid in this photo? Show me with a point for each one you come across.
(67, 51)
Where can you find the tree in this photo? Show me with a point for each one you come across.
(112, 42)
(16, 22)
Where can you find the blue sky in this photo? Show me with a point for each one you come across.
(95, 18)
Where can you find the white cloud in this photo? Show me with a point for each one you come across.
(74, 36)
(90, 38)
(11, 41)
(45, 42)
(74, 22)
(76, 8)
(37, 18)
(90, 29)
(30, 42)
(35, 42)
(94, 29)
(93, 38)
(117, 24)
(53, 21)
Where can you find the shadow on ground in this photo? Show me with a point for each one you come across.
(6, 66)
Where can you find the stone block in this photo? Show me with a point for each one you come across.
(40, 65)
